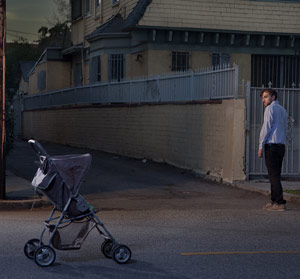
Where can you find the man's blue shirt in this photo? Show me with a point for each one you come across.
(275, 125)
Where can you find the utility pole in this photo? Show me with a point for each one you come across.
(2, 96)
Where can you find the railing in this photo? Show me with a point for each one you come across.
(209, 83)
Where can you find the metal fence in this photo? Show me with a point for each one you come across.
(289, 98)
(208, 83)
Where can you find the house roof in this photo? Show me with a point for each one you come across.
(135, 16)
(26, 67)
(118, 25)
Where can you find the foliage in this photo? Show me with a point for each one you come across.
(21, 50)
(62, 14)
(52, 37)
(16, 52)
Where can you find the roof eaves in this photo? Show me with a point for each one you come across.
(108, 35)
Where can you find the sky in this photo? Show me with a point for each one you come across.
(25, 17)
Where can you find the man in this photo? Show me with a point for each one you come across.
(272, 139)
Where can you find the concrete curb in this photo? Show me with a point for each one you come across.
(19, 204)
(252, 188)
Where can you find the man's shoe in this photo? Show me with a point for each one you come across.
(268, 205)
(277, 207)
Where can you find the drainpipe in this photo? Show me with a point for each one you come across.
(2, 99)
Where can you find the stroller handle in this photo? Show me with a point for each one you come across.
(38, 148)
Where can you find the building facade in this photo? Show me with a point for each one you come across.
(113, 40)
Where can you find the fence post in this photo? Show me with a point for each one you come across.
(236, 83)
(130, 88)
(158, 90)
(192, 86)
(248, 127)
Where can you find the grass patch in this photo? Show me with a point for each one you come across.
(294, 192)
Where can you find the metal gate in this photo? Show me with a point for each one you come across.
(289, 98)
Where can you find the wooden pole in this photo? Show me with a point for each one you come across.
(2, 98)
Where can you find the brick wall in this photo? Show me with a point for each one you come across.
(196, 136)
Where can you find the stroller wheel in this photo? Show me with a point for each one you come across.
(121, 254)
(30, 247)
(44, 256)
(106, 248)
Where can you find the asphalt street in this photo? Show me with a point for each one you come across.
(177, 226)
(167, 240)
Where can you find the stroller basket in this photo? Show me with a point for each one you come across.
(72, 235)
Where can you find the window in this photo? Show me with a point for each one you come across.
(180, 61)
(115, 2)
(87, 7)
(41, 80)
(116, 67)
(95, 69)
(77, 75)
(98, 3)
(76, 9)
(220, 59)
(280, 70)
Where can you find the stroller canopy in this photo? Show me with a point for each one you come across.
(72, 169)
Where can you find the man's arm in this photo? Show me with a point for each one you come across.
(265, 130)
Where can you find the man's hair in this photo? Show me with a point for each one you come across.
(271, 91)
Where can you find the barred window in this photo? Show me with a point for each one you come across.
(95, 69)
(280, 70)
(116, 67)
(220, 59)
(180, 61)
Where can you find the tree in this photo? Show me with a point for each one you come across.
(59, 25)
(15, 52)
(62, 13)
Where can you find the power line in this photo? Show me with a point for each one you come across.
(21, 32)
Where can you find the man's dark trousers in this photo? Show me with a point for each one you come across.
(274, 154)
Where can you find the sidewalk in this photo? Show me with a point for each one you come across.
(19, 194)
(112, 177)
(291, 188)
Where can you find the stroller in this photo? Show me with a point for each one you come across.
(59, 178)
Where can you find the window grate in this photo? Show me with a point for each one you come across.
(180, 61)
(116, 64)
(280, 70)
(220, 59)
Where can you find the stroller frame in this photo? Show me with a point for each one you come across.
(44, 255)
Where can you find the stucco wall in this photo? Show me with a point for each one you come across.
(59, 75)
(208, 138)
